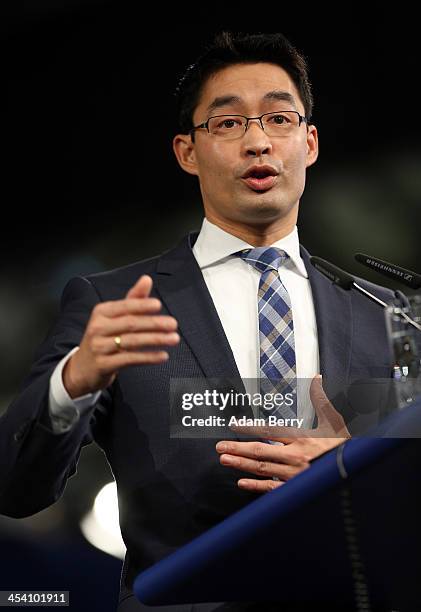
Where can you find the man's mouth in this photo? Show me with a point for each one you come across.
(260, 178)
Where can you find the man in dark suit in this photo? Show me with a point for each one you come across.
(103, 373)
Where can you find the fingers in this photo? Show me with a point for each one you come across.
(134, 342)
(291, 454)
(121, 333)
(329, 418)
(259, 451)
(134, 323)
(111, 363)
(259, 486)
(263, 459)
(142, 288)
(272, 432)
(318, 397)
(127, 317)
(260, 468)
(135, 306)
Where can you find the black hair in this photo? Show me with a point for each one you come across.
(227, 49)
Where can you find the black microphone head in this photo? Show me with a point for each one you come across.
(333, 273)
(407, 277)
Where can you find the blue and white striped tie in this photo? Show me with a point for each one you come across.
(276, 329)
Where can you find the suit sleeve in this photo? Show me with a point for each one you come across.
(35, 462)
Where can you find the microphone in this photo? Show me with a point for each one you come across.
(407, 277)
(347, 281)
(342, 279)
(335, 274)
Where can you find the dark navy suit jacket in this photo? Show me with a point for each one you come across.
(170, 490)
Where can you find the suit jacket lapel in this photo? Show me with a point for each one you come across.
(334, 327)
(183, 289)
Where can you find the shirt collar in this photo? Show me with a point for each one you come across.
(214, 244)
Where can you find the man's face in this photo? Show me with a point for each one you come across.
(221, 164)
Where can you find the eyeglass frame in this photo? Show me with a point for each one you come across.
(301, 119)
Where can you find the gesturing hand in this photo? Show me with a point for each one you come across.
(120, 333)
(299, 446)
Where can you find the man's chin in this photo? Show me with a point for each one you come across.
(263, 210)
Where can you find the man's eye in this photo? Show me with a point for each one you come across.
(279, 119)
(229, 123)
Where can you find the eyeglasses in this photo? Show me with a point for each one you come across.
(228, 127)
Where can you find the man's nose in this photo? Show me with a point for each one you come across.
(255, 141)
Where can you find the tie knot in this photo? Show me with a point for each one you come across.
(264, 258)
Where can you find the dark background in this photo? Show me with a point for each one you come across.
(89, 180)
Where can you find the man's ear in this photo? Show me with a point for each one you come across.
(183, 148)
(312, 145)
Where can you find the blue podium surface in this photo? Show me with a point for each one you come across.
(347, 529)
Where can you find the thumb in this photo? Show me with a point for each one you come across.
(141, 288)
(321, 404)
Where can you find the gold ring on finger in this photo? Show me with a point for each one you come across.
(117, 342)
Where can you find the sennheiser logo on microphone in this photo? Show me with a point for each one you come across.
(386, 268)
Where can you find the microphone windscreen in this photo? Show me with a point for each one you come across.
(333, 273)
(407, 277)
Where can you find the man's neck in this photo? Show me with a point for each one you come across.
(261, 235)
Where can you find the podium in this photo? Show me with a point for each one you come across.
(343, 534)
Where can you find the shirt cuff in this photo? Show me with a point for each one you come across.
(65, 411)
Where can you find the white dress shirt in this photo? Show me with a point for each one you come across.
(233, 285)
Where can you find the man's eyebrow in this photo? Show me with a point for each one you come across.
(282, 96)
(223, 101)
(279, 95)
